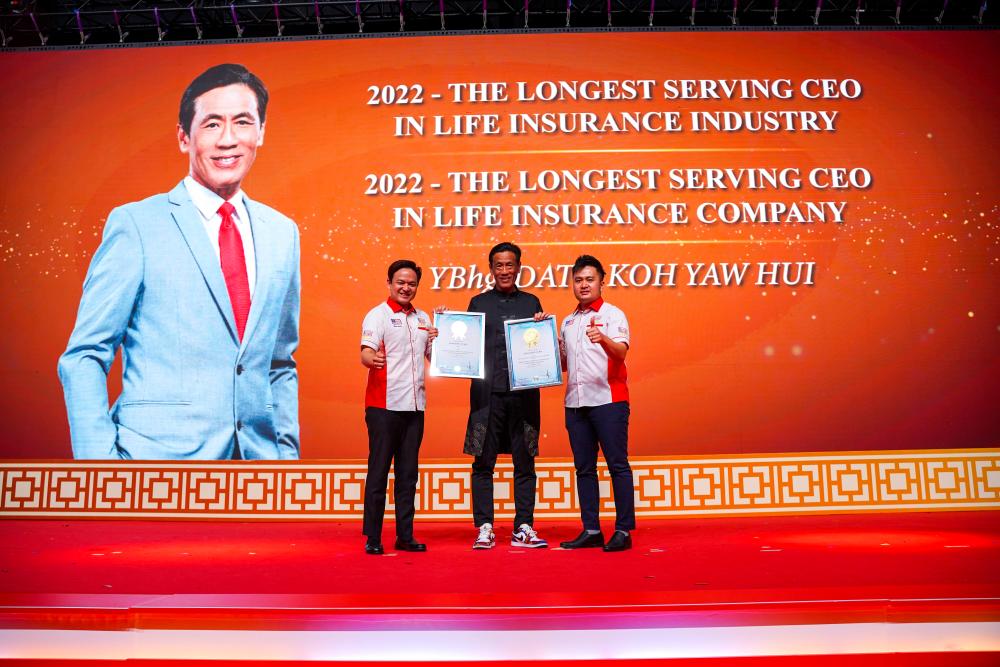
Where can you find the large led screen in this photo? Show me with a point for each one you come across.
(801, 227)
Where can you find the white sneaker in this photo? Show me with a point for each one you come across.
(528, 538)
(486, 538)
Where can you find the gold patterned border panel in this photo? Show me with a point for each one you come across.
(771, 484)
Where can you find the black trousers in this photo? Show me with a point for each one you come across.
(506, 424)
(608, 425)
(392, 436)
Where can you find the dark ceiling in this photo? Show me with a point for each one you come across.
(35, 23)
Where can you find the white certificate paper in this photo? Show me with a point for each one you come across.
(459, 349)
(532, 353)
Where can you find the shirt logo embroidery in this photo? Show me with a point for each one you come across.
(395, 322)
(368, 332)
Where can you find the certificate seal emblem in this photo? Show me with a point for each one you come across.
(458, 330)
(531, 338)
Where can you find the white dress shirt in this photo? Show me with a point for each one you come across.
(208, 203)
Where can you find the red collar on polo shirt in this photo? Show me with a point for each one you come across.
(594, 305)
(396, 308)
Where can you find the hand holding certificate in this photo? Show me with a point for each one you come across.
(532, 353)
(458, 351)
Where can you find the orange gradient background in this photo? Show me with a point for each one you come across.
(895, 346)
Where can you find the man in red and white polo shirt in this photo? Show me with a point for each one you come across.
(395, 340)
(594, 340)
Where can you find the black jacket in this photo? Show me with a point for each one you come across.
(520, 305)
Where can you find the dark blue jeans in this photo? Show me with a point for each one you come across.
(605, 425)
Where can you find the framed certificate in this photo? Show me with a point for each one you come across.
(459, 349)
(532, 353)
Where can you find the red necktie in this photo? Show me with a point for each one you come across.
(234, 266)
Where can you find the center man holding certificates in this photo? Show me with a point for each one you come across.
(504, 411)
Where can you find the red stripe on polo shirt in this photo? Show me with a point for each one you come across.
(617, 380)
(617, 372)
(376, 389)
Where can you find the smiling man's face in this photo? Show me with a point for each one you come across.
(225, 133)
(403, 287)
(587, 284)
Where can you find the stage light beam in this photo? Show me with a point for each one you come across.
(319, 21)
(160, 32)
(277, 19)
(41, 36)
(79, 27)
(236, 20)
(118, 24)
(194, 20)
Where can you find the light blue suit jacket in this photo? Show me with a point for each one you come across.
(190, 389)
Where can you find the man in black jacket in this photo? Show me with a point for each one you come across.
(502, 421)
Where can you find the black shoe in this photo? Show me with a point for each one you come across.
(410, 545)
(619, 542)
(373, 548)
(584, 540)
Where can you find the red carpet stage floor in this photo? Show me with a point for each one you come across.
(914, 585)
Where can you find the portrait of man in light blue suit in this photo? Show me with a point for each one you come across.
(199, 287)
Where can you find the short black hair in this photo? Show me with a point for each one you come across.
(505, 246)
(404, 264)
(583, 261)
(220, 76)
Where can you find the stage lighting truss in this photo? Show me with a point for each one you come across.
(62, 23)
